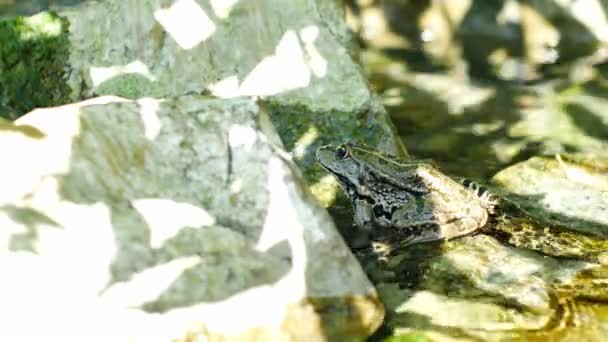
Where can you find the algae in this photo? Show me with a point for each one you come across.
(294, 122)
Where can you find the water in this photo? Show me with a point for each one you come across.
(476, 120)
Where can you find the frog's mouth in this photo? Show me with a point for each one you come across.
(342, 180)
(347, 183)
(326, 162)
(349, 187)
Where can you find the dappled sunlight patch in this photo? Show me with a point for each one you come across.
(82, 249)
(281, 213)
(304, 142)
(186, 22)
(283, 223)
(40, 156)
(325, 190)
(561, 190)
(147, 285)
(236, 186)
(392, 97)
(37, 157)
(481, 128)
(318, 64)
(581, 175)
(227, 87)
(9, 230)
(149, 115)
(440, 310)
(46, 194)
(241, 311)
(295, 61)
(222, 8)
(49, 152)
(283, 71)
(165, 218)
(542, 44)
(507, 268)
(101, 100)
(70, 265)
(590, 14)
(100, 75)
(242, 136)
(458, 96)
(505, 151)
(40, 25)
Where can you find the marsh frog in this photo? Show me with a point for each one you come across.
(413, 199)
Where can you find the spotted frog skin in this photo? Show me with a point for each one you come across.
(411, 198)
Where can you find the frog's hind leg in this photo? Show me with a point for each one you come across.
(461, 226)
(425, 232)
(431, 231)
(364, 223)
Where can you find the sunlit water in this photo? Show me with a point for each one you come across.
(475, 128)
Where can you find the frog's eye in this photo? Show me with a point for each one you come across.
(341, 152)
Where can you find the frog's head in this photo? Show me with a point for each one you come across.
(346, 162)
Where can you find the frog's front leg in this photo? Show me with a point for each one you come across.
(363, 215)
(364, 223)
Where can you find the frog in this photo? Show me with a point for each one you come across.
(412, 199)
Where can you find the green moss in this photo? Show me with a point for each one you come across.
(33, 57)
(293, 122)
(297, 123)
(130, 85)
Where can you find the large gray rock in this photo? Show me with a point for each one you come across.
(167, 220)
(232, 48)
(297, 55)
(294, 54)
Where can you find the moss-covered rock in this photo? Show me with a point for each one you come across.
(540, 263)
(303, 130)
(33, 57)
(302, 63)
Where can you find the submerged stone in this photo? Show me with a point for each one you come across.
(563, 190)
(536, 268)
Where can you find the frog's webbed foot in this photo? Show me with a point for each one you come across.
(488, 199)
(492, 203)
